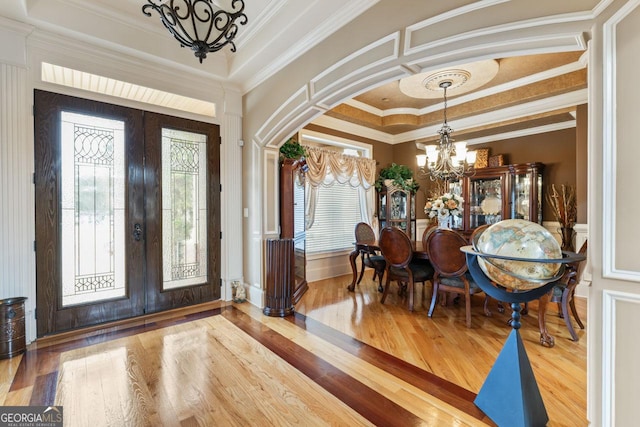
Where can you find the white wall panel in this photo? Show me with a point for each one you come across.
(17, 257)
(620, 320)
(231, 220)
(620, 148)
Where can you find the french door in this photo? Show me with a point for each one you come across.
(127, 212)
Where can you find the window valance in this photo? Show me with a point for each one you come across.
(327, 167)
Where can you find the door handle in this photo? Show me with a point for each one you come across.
(137, 232)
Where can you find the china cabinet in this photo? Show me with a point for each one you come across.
(397, 208)
(502, 192)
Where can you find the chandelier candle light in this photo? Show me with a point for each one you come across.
(447, 160)
(202, 25)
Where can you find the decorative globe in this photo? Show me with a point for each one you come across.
(518, 238)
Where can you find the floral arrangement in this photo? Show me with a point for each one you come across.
(444, 206)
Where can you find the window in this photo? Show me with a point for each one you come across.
(338, 207)
(338, 210)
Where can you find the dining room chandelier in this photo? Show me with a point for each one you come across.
(202, 25)
(448, 160)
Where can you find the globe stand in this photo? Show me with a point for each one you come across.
(510, 395)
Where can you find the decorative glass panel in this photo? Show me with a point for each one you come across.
(184, 208)
(92, 204)
(521, 197)
(486, 201)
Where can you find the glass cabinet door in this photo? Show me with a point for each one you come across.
(526, 191)
(521, 196)
(396, 208)
(485, 204)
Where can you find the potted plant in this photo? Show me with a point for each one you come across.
(292, 149)
(400, 176)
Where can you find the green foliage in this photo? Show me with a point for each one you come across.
(401, 175)
(292, 150)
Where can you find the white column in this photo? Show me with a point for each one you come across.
(17, 256)
(231, 198)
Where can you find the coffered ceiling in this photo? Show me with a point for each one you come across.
(527, 95)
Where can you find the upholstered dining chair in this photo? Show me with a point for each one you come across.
(369, 257)
(397, 250)
(564, 291)
(450, 269)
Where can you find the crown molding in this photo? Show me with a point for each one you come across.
(569, 124)
(515, 134)
(354, 129)
(533, 78)
(558, 102)
(531, 108)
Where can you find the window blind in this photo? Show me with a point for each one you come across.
(337, 213)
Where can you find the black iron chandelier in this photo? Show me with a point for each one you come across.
(201, 25)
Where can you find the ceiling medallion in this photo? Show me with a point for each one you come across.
(202, 25)
(462, 79)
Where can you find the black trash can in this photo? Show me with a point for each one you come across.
(12, 329)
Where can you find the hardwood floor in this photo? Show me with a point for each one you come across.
(343, 359)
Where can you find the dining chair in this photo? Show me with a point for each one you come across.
(473, 239)
(450, 269)
(425, 234)
(368, 256)
(564, 291)
(397, 250)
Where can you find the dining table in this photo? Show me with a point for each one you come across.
(419, 252)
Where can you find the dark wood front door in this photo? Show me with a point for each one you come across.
(126, 206)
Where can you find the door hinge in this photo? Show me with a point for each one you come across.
(34, 246)
(221, 282)
(220, 140)
(221, 188)
(33, 110)
(34, 178)
(35, 313)
(221, 235)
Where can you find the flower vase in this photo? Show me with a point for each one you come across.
(445, 221)
(567, 238)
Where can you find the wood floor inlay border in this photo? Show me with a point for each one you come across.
(367, 402)
(440, 388)
(39, 366)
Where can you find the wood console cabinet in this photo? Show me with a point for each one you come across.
(503, 192)
(292, 222)
(397, 208)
